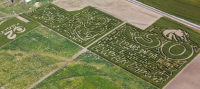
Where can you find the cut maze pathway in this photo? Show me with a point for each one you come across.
(105, 35)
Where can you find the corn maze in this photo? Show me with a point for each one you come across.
(156, 55)
(83, 27)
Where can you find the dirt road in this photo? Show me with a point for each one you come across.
(188, 78)
(122, 9)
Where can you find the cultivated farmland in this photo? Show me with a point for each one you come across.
(155, 55)
(186, 9)
(82, 26)
(90, 71)
(27, 59)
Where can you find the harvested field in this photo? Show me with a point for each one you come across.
(122, 9)
(188, 78)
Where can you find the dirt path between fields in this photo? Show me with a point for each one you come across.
(22, 19)
(188, 78)
(52, 72)
(122, 9)
(105, 35)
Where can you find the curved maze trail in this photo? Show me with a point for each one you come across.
(146, 54)
(83, 28)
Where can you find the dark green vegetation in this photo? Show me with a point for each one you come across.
(151, 54)
(90, 71)
(25, 60)
(186, 9)
(13, 28)
(83, 26)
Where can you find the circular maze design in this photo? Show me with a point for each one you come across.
(147, 54)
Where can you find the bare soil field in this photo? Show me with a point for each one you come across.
(188, 78)
(122, 9)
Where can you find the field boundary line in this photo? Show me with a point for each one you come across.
(84, 49)
(105, 35)
(19, 36)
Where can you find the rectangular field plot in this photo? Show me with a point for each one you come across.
(83, 26)
(186, 9)
(13, 28)
(32, 56)
(90, 71)
(155, 55)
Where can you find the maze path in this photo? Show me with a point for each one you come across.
(146, 54)
(84, 27)
(149, 54)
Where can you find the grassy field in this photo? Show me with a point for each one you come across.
(186, 9)
(156, 54)
(90, 71)
(1, 1)
(3, 14)
(83, 26)
(14, 28)
(27, 59)
(20, 7)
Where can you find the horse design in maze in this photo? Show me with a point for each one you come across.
(154, 55)
(176, 34)
(181, 49)
(175, 44)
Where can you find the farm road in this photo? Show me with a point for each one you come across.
(188, 78)
(121, 9)
(52, 72)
